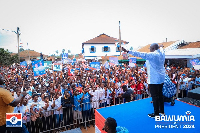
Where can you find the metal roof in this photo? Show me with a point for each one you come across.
(183, 53)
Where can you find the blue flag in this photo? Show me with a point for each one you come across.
(23, 64)
(95, 65)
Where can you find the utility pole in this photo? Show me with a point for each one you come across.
(18, 43)
(120, 39)
(17, 40)
(28, 53)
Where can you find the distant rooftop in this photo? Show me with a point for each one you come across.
(146, 48)
(103, 39)
(192, 45)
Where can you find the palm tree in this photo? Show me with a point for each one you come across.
(63, 50)
(57, 52)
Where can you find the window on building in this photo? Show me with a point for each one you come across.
(118, 48)
(105, 49)
(92, 49)
(82, 50)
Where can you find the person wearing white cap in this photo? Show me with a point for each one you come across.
(155, 60)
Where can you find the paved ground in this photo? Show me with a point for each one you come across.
(89, 130)
(78, 130)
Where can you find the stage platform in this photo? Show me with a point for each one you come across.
(134, 116)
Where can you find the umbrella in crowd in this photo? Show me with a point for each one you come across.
(169, 88)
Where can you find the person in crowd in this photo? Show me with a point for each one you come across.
(108, 95)
(7, 102)
(139, 89)
(58, 110)
(110, 126)
(183, 81)
(118, 91)
(95, 101)
(86, 99)
(35, 109)
(67, 102)
(77, 114)
(25, 110)
(197, 80)
(127, 93)
(103, 96)
(47, 118)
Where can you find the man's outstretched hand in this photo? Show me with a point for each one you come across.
(123, 49)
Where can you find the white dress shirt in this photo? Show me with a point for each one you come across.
(155, 65)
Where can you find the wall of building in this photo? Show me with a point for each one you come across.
(99, 51)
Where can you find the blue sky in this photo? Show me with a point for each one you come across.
(50, 25)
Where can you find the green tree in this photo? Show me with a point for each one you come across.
(14, 59)
(6, 58)
(77, 55)
(70, 56)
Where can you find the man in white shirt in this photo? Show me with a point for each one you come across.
(58, 111)
(95, 99)
(197, 80)
(155, 60)
(46, 106)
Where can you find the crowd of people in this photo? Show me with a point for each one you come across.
(61, 100)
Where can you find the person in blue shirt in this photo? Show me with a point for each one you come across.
(77, 114)
(86, 99)
(155, 60)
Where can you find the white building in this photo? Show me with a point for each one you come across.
(100, 46)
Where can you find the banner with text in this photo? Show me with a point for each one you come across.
(47, 64)
(57, 66)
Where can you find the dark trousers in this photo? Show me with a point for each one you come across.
(68, 116)
(35, 126)
(157, 97)
(28, 125)
(46, 123)
(86, 116)
(22, 129)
